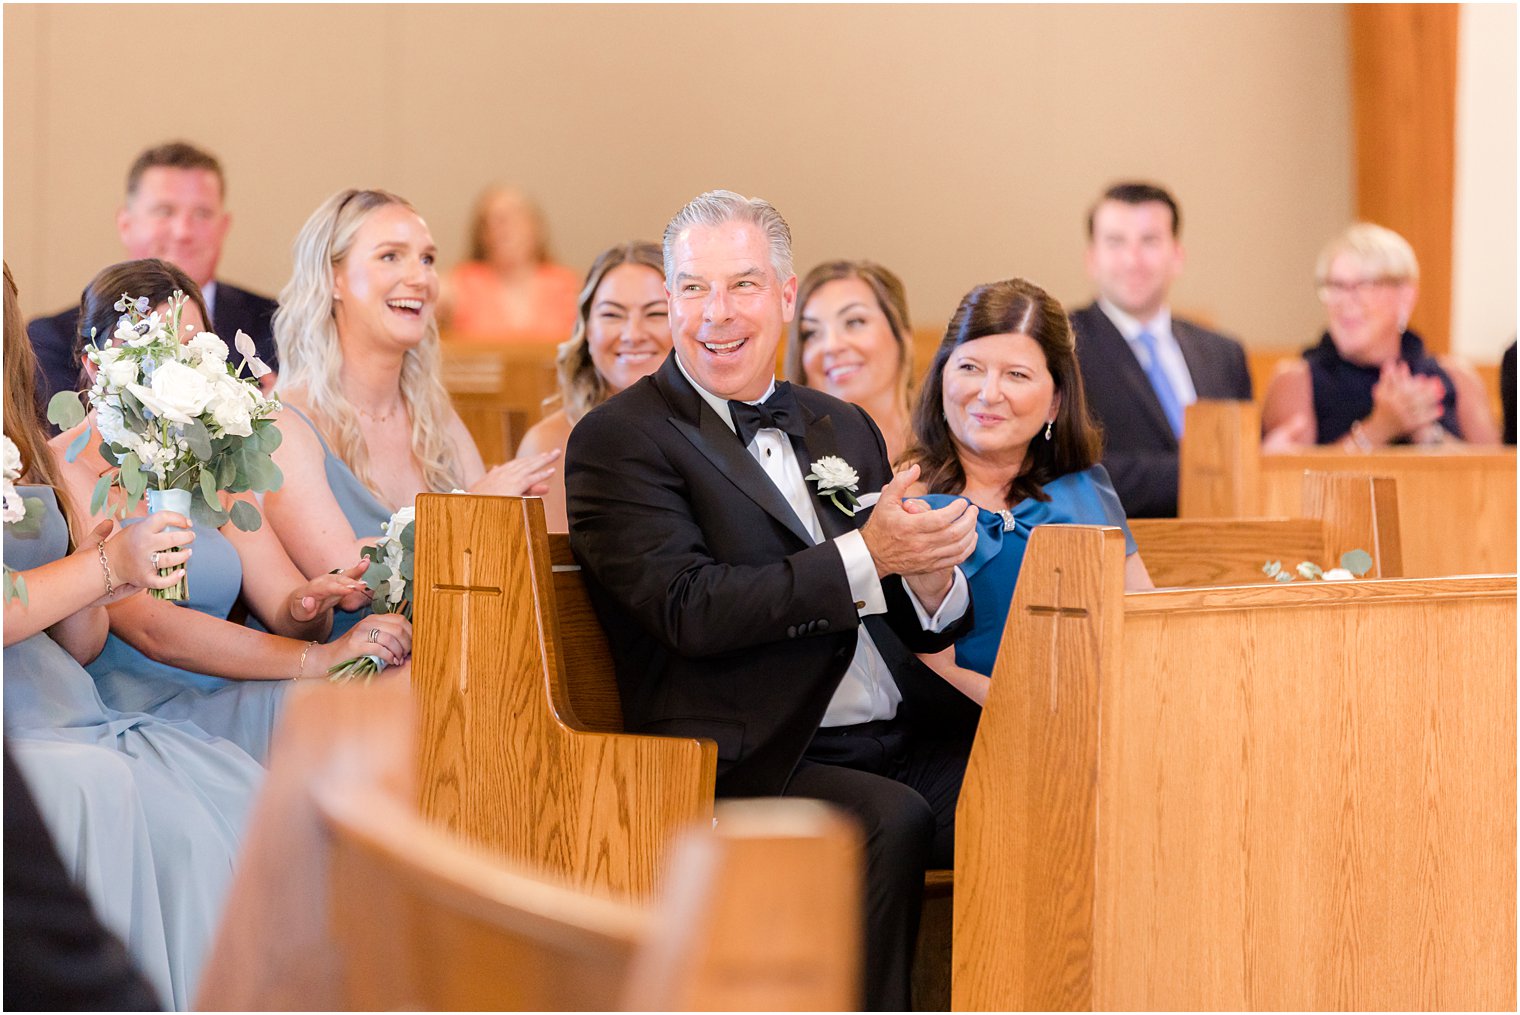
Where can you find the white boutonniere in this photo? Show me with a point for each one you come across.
(835, 477)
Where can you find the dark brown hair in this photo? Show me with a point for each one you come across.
(157, 280)
(479, 251)
(890, 296)
(1012, 307)
(174, 155)
(22, 424)
(1137, 193)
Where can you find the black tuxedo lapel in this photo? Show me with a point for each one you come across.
(1116, 352)
(819, 444)
(720, 445)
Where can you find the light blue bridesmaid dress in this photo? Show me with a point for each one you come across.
(365, 514)
(992, 570)
(147, 812)
(242, 711)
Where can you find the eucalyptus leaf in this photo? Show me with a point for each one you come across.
(204, 514)
(245, 516)
(199, 438)
(65, 409)
(1309, 570)
(375, 574)
(1272, 568)
(1358, 562)
(270, 437)
(276, 478)
(208, 485)
(407, 565)
(1284, 576)
(99, 495)
(408, 537)
(133, 479)
(226, 471)
(77, 444)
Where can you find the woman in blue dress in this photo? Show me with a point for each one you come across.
(368, 424)
(188, 660)
(1001, 421)
(146, 814)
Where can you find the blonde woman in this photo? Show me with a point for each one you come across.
(1370, 381)
(622, 333)
(852, 339)
(367, 423)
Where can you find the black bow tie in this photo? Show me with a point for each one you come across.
(779, 412)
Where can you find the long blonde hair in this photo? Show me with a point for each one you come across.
(23, 425)
(306, 332)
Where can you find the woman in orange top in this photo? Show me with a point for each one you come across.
(509, 290)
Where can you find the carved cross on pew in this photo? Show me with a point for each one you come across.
(465, 590)
(1056, 613)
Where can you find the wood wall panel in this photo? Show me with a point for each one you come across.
(1403, 111)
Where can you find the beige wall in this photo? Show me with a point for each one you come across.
(1483, 221)
(956, 144)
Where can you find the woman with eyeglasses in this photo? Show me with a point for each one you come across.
(1370, 381)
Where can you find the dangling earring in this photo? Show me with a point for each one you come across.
(1048, 424)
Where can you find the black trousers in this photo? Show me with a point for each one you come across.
(902, 790)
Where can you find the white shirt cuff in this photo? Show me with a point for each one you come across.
(860, 569)
(951, 610)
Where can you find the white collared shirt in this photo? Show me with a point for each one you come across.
(1167, 349)
(867, 692)
(208, 297)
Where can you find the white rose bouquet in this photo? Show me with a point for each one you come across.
(22, 515)
(389, 576)
(180, 421)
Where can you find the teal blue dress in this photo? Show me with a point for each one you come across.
(1077, 498)
(365, 514)
(242, 711)
(147, 813)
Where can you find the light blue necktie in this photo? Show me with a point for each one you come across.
(1163, 387)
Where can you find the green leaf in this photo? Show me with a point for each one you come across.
(133, 479)
(199, 439)
(208, 485)
(245, 516)
(1310, 570)
(1358, 562)
(204, 514)
(408, 537)
(375, 574)
(1284, 576)
(101, 492)
(15, 586)
(65, 409)
(270, 437)
(407, 564)
(77, 444)
(226, 470)
(1272, 568)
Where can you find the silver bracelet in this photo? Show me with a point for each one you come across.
(105, 567)
(301, 670)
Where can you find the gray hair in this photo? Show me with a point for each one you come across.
(717, 207)
(1376, 248)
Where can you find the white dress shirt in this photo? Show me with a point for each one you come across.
(208, 297)
(867, 692)
(1167, 349)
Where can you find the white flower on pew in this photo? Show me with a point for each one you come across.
(1353, 564)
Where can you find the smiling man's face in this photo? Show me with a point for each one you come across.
(728, 308)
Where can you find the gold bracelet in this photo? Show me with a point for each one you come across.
(105, 567)
(301, 671)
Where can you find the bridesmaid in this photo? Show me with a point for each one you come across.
(622, 333)
(188, 661)
(367, 423)
(147, 814)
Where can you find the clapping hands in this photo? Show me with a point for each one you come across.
(1403, 404)
(921, 544)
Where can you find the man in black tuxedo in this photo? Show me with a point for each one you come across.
(743, 601)
(1140, 365)
(173, 211)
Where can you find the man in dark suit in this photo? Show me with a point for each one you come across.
(744, 601)
(1140, 365)
(173, 210)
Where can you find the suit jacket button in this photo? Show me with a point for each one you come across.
(823, 625)
(791, 632)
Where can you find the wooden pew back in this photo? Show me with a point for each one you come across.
(347, 898)
(499, 389)
(1456, 504)
(1306, 793)
(505, 757)
(1340, 512)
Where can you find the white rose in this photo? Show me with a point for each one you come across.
(232, 406)
(179, 393)
(209, 346)
(12, 460)
(120, 371)
(398, 521)
(14, 508)
(833, 473)
(1338, 574)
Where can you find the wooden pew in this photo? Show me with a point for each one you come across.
(1296, 796)
(509, 756)
(347, 898)
(1456, 504)
(499, 389)
(1341, 511)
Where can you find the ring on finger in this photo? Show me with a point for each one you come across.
(374, 634)
(153, 559)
